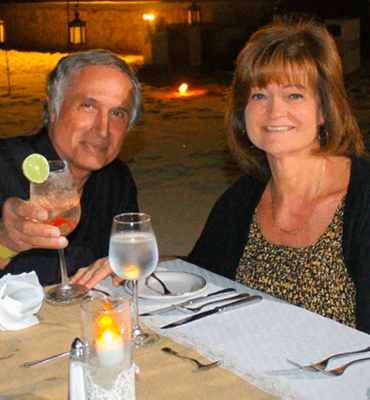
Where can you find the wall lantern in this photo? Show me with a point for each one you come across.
(77, 30)
(194, 14)
(2, 32)
(150, 22)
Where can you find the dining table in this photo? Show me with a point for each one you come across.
(253, 343)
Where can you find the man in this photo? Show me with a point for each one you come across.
(93, 100)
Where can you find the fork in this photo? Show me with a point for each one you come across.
(192, 310)
(200, 366)
(339, 371)
(321, 365)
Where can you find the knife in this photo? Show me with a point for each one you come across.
(186, 302)
(220, 309)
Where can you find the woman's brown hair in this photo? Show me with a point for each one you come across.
(290, 51)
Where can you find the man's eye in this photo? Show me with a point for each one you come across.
(119, 114)
(87, 105)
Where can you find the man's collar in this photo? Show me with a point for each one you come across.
(44, 145)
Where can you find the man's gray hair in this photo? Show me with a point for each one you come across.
(69, 65)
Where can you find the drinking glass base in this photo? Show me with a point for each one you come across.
(66, 294)
(141, 339)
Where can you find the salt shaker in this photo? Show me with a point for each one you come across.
(76, 371)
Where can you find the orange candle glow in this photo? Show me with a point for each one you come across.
(132, 272)
(108, 339)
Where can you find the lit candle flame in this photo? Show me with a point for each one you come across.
(107, 332)
(183, 88)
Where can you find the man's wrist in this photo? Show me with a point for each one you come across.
(7, 254)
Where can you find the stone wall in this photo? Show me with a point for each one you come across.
(118, 26)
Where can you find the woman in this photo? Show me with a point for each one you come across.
(297, 226)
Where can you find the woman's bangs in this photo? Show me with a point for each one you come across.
(284, 72)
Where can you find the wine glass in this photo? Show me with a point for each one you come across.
(133, 255)
(59, 196)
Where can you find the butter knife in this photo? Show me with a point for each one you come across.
(172, 307)
(226, 307)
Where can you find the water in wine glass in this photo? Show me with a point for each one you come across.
(133, 255)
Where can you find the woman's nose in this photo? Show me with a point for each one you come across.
(276, 107)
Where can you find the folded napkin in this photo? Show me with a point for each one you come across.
(21, 297)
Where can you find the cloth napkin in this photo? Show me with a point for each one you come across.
(21, 297)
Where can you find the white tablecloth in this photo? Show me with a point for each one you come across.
(255, 342)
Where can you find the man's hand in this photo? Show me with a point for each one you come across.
(96, 272)
(22, 227)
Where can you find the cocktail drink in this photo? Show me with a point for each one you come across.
(59, 196)
(64, 212)
(133, 255)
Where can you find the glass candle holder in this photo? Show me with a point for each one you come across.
(106, 324)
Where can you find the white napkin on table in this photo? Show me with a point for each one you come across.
(21, 297)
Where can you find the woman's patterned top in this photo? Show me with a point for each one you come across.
(313, 277)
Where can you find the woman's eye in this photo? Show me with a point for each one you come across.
(295, 96)
(258, 96)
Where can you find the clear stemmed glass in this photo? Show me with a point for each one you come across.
(133, 255)
(60, 197)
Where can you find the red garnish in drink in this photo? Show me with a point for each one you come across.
(60, 221)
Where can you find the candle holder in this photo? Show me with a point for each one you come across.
(109, 369)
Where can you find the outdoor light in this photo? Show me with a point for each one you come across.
(194, 14)
(2, 32)
(150, 22)
(77, 29)
(148, 17)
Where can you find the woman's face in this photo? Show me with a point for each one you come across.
(283, 119)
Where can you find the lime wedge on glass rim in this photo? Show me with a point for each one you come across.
(36, 168)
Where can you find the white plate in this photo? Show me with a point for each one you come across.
(181, 284)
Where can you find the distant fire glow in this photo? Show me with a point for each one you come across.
(183, 88)
(183, 92)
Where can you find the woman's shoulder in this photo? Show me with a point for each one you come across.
(246, 182)
(245, 190)
(360, 170)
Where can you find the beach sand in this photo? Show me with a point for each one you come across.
(178, 153)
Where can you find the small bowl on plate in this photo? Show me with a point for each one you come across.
(181, 285)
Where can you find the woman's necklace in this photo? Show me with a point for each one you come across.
(313, 206)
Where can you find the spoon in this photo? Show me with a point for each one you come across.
(77, 346)
(165, 288)
(199, 365)
(193, 310)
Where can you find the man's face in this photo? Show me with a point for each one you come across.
(93, 118)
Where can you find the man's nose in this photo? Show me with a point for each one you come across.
(276, 107)
(102, 124)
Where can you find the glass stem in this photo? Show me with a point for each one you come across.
(63, 267)
(136, 330)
